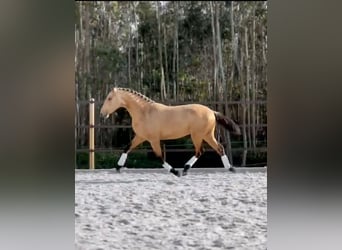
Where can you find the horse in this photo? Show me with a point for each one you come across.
(153, 122)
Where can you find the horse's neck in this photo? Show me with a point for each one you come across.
(134, 108)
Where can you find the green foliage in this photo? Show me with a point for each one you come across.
(117, 41)
(106, 160)
(145, 11)
(143, 160)
(256, 157)
(108, 56)
(196, 24)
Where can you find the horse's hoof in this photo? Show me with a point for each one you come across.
(118, 169)
(175, 172)
(232, 169)
(186, 168)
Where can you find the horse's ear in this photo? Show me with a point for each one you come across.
(115, 89)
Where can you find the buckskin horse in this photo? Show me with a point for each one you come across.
(153, 122)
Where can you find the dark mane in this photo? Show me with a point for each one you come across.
(137, 94)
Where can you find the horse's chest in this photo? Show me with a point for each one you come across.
(135, 126)
(138, 127)
(144, 129)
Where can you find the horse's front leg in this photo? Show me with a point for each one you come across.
(155, 144)
(198, 152)
(133, 144)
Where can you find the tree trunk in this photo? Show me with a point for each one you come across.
(162, 80)
(80, 41)
(137, 49)
(129, 49)
(232, 51)
(177, 61)
(244, 107)
(142, 68)
(84, 12)
(177, 50)
(166, 64)
(108, 9)
(248, 87)
(223, 87)
(174, 52)
(87, 38)
(254, 88)
(214, 50)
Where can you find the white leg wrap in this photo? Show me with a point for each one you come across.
(122, 159)
(225, 161)
(167, 166)
(191, 161)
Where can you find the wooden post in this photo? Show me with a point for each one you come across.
(91, 133)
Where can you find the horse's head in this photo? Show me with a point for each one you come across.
(112, 102)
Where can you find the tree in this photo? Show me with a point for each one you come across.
(173, 52)
(162, 79)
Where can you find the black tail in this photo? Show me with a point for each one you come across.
(227, 123)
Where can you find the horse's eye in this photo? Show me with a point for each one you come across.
(109, 98)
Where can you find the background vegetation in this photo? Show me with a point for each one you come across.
(207, 52)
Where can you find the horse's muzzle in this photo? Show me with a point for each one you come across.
(104, 116)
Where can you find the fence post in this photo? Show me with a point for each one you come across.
(91, 134)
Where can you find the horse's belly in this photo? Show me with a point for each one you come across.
(176, 126)
(173, 136)
(174, 133)
(165, 133)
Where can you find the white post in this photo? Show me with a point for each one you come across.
(91, 134)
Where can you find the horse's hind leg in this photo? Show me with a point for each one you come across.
(197, 141)
(157, 150)
(133, 144)
(210, 139)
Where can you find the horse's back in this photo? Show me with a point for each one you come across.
(186, 110)
(182, 120)
(197, 110)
